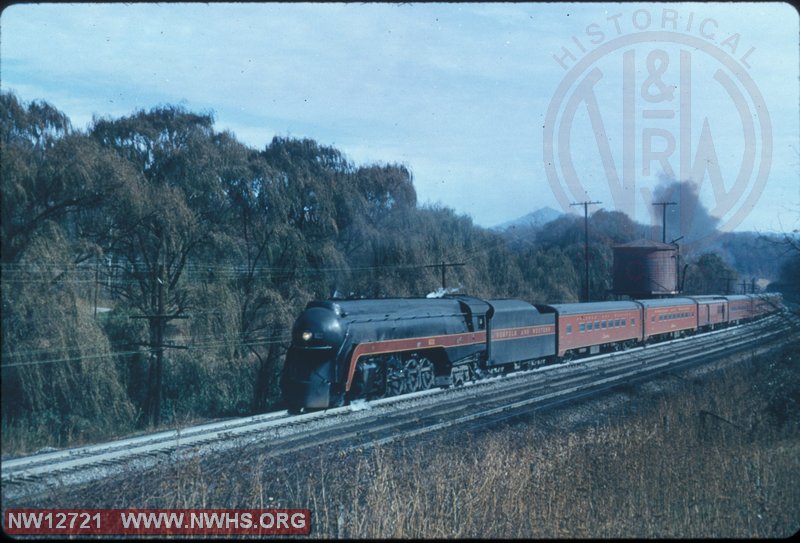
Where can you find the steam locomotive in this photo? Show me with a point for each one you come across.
(347, 349)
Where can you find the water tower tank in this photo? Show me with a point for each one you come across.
(646, 269)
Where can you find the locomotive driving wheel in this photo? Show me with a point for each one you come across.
(425, 374)
(396, 381)
(419, 373)
(412, 374)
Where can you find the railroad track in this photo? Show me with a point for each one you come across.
(364, 424)
(527, 391)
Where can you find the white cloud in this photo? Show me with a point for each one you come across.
(457, 92)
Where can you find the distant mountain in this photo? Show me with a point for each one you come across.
(537, 218)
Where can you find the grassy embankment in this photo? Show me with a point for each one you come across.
(714, 454)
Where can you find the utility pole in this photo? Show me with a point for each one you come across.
(678, 282)
(585, 246)
(96, 283)
(728, 280)
(157, 346)
(444, 267)
(664, 218)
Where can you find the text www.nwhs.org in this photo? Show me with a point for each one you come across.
(157, 521)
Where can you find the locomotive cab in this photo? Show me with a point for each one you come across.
(310, 368)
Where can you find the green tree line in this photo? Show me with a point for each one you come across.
(152, 265)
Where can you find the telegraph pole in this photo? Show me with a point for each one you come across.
(444, 267)
(157, 346)
(96, 283)
(728, 280)
(664, 218)
(585, 246)
(679, 283)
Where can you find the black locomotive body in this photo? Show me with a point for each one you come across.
(346, 349)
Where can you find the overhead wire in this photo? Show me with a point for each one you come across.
(196, 268)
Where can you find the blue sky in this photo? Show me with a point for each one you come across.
(462, 94)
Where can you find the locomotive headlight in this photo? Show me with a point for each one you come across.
(306, 335)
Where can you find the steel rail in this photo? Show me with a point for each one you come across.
(379, 421)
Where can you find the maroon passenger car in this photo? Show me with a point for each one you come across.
(764, 304)
(712, 311)
(595, 326)
(669, 317)
(740, 307)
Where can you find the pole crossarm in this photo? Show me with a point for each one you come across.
(444, 267)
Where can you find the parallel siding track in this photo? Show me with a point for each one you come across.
(363, 424)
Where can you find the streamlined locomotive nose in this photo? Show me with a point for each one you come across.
(317, 327)
(307, 381)
(309, 370)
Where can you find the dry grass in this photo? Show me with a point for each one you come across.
(710, 456)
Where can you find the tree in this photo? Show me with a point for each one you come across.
(262, 249)
(710, 274)
(47, 172)
(788, 282)
(60, 381)
(161, 217)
